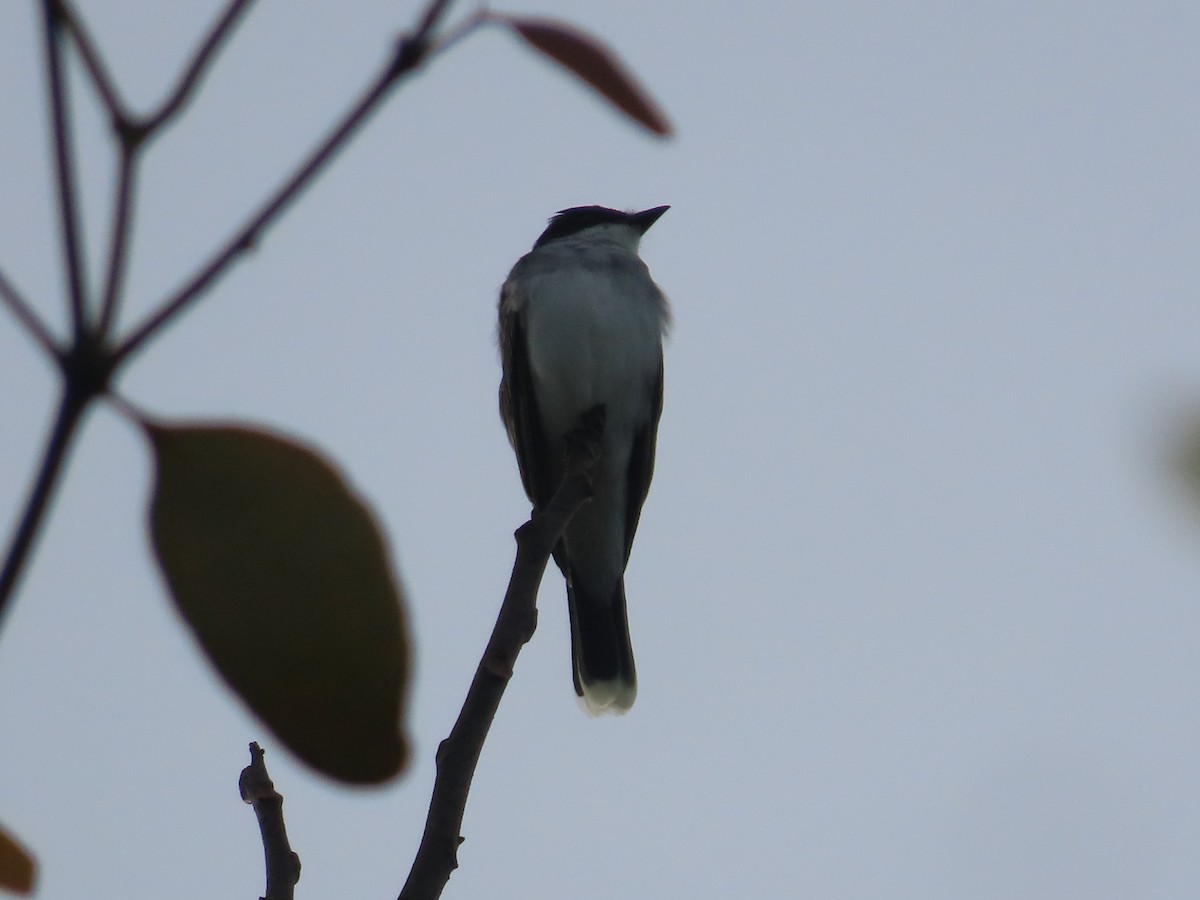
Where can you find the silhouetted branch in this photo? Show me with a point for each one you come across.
(64, 165)
(118, 237)
(25, 314)
(248, 235)
(433, 15)
(283, 865)
(200, 60)
(410, 52)
(93, 62)
(69, 410)
(132, 132)
(458, 754)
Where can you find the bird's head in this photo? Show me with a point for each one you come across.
(623, 227)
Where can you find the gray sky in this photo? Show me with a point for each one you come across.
(913, 599)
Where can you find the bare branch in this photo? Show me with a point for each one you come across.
(410, 52)
(203, 56)
(65, 165)
(27, 317)
(70, 409)
(130, 134)
(433, 15)
(459, 753)
(94, 63)
(283, 865)
(118, 235)
(248, 235)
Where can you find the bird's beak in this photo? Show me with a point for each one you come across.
(647, 217)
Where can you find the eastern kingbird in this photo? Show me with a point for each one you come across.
(581, 326)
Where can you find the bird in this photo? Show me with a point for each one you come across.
(581, 326)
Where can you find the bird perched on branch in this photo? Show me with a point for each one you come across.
(581, 326)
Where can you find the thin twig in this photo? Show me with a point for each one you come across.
(25, 314)
(408, 55)
(433, 15)
(130, 136)
(70, 408)
(249, 234)
(118, 250)
(283, 865)
(461, 29)
(65, 167)
(459, 753)
(93, 62)
(132, 133)
(203, 56)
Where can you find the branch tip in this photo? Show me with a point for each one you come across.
(282, 863)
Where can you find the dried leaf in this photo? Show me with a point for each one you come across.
(284, 578)
(17, 868)
(594, 63)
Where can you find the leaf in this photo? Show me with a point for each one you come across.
(284, 578)
(17, 868)
(1187, 457)
(594, 63)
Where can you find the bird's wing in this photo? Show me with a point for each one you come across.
(518, 408)
(641, 462)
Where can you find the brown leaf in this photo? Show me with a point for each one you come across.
(17, 868)
(284, 578)
(594, 63)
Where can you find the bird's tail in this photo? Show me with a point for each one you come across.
(601, 653)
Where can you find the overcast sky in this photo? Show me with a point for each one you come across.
(914, 597)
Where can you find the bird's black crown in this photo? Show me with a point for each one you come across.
(567, 222)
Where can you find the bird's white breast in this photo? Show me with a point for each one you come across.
(593, 335)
